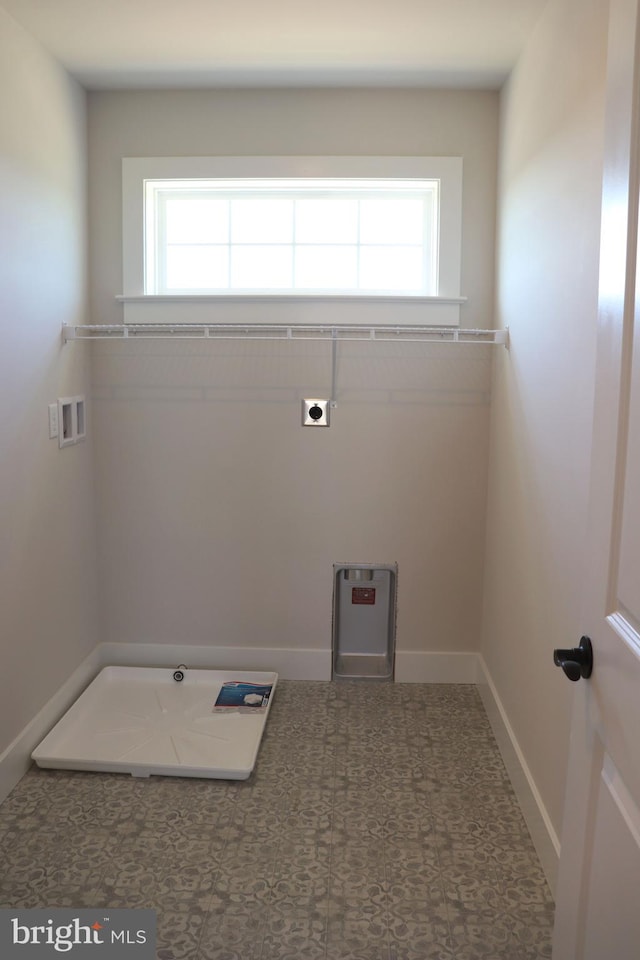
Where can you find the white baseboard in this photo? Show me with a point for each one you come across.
(534, 811)
(16, 759)
(288, 664)
(416, 667)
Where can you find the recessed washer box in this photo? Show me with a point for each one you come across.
(315, 413)
(364, 621)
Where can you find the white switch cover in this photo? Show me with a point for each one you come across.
(53, 420)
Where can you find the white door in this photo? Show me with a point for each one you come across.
(598, 896)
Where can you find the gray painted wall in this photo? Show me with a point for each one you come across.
(219, 517)
(47, 542)
(550, 186)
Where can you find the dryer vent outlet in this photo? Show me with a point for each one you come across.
(315, 413)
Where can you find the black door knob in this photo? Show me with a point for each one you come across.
(577, 662)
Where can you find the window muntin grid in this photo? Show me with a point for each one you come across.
(298, 236)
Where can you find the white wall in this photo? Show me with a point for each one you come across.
(549, 197)
(220, 517)
(47, 545)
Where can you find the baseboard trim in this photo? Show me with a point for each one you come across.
(417, 667)
(534, 811)
(288, 664)
(16, 759)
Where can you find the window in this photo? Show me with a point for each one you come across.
(291, 236)
(297, 228)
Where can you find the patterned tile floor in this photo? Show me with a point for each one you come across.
(379, 824)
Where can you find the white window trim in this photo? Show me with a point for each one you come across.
(441, 310)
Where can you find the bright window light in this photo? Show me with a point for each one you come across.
(291, 236)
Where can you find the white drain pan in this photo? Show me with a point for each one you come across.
(141, 721)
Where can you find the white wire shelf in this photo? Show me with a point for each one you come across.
(407, 333)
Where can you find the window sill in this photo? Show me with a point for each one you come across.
(279, 308)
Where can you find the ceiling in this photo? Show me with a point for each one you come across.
(111, 44)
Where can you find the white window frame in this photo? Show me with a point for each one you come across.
(439, 310)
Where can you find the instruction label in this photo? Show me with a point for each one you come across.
(366, 595)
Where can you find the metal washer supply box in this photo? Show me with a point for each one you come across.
(364, 618)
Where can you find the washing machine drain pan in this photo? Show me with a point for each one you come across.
(142, 721)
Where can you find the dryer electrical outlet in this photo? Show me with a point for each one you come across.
(315, 413)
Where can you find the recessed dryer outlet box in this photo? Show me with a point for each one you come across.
(315, 413)
(72, 424)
